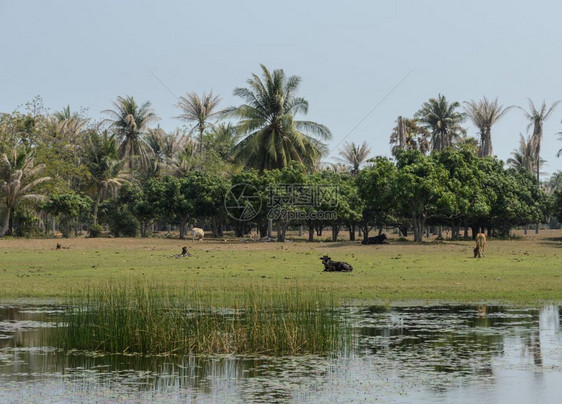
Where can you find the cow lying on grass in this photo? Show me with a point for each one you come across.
(335, 266)
(375, 240)
(184, 253)
(480, 244)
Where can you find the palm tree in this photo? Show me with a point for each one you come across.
(355, 155)
(69, 125)
(524, 156)
(18, 178)
(536, 119)
(273, 137)
(442, 120)
(408, 135)
(559, 138)
(484, 114)
(555, 182)
(198, 110)
(129, 122)
(102, 161)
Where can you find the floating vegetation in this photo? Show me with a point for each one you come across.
(145, 319)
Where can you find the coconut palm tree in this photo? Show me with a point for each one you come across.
(354, 155)
(102, 161)
(129, 122)
(272, 135)
(524, 156)
(18, 178)
(559, 138)
(408, 135)
(536, 119)
(69, 125)
(484, 114)
(199, 110)
(442, 120)
(555, 182)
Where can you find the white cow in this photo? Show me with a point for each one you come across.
(197, 233)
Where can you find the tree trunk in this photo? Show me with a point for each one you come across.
(365, 232)
(310, 232)
(183, 225)
(419, 222)
(97, 206)
(351, 232)
(335, 232)
(280, 233)
(319, 230)
(263, 228)
(6, 225)
(300, 230)
(269, 228)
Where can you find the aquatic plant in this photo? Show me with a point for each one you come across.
(146, 319)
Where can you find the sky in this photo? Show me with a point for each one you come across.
(350, 55)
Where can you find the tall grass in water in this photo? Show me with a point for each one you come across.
(145, 319)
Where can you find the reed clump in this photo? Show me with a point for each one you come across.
(145, 319)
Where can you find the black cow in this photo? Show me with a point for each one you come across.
(375, 240)
(335, 266)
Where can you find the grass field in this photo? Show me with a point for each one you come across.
(523, 270)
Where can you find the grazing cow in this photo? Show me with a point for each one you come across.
(375, 240)
(197, 233)
(480, 245)
(335, 266)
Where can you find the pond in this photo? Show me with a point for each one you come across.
(402, 354)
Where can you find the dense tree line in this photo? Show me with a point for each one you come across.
(65, 172)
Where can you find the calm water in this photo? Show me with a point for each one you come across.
(473, 354)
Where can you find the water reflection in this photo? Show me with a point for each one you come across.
(401, 354)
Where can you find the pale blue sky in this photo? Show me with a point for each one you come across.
(349, 55)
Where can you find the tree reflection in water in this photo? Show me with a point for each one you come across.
(398, 351)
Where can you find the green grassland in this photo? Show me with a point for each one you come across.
(523, 270)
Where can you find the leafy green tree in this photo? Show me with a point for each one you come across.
(421, 188)
(375, 185)
(468, 200)
(117, 215)
(443, 121)
(519, 201)
(67, 207)
(199, 110)
(557, 205)
(129, 121)
(348, 205)
(255, 185)
(143, 202)
(484, 114)
(273, 138)
(176, 203)
(19, 180)
(206, 195)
